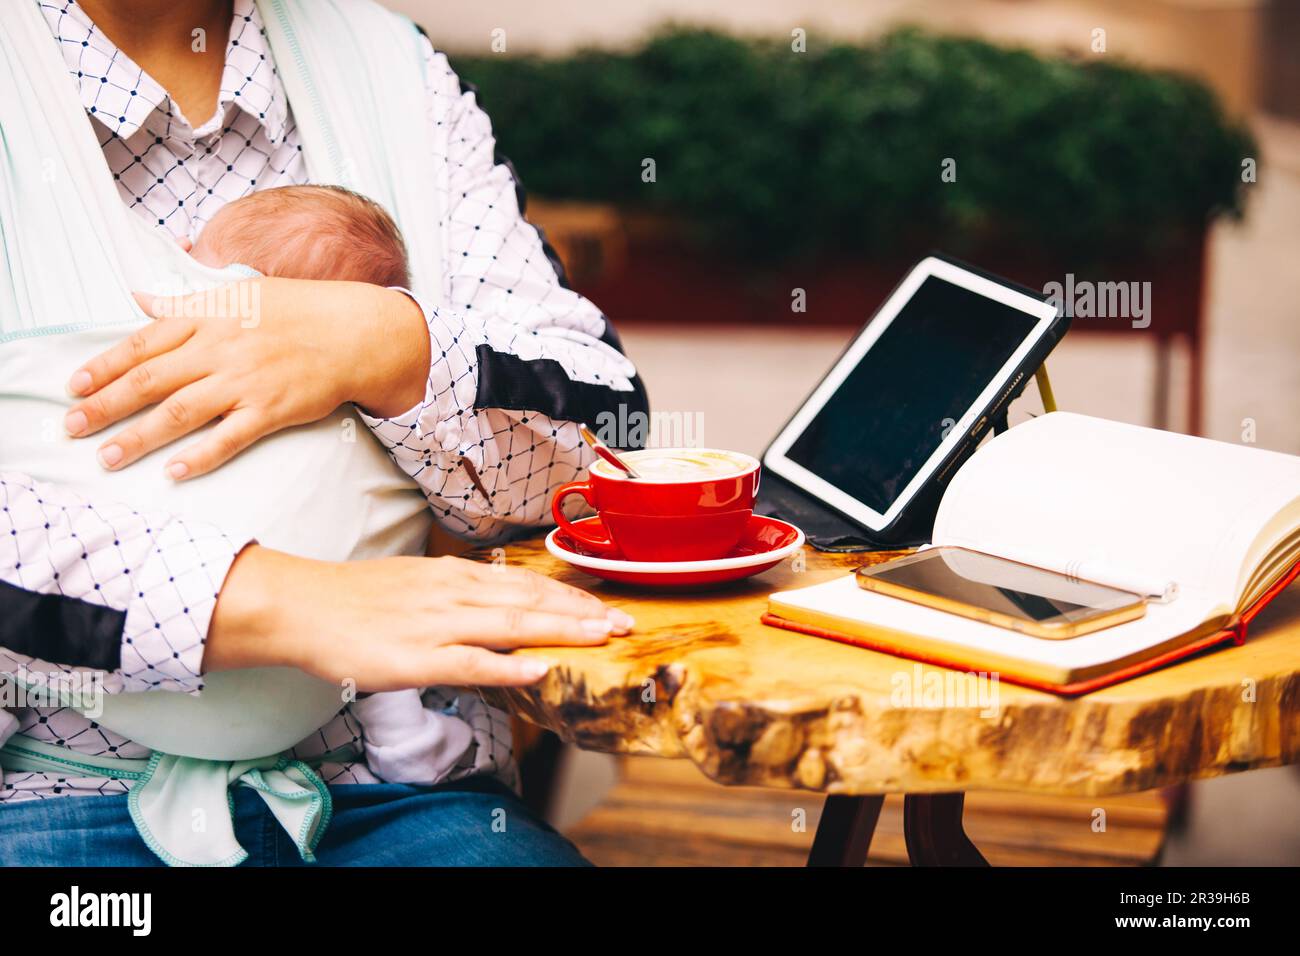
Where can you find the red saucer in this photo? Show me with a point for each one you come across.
(765, 543)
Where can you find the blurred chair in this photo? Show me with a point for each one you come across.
(667, 813)
(588, 237)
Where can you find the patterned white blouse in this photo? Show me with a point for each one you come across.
(518, 357)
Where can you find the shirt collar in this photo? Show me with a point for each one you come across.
(123, 97)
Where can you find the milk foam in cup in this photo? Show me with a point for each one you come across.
(653, 464)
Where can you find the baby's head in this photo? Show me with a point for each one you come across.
(307, 232)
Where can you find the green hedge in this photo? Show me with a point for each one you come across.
(839, 149)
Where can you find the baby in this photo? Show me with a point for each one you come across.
(307, 232)
(327, 232)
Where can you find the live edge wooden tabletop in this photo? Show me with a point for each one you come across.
(701, 677)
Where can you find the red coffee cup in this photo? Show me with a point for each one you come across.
(669, 514)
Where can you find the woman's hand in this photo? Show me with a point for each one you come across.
(261, 355)
(395, 623)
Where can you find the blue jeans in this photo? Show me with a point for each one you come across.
(474, 822)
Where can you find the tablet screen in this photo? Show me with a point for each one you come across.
(893, 410)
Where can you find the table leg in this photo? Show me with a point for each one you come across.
(932, 828)
(844, 833)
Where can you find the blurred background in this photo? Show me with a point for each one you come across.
(739, 184)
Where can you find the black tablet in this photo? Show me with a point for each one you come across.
(940, 358)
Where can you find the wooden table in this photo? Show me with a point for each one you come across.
(702, 678)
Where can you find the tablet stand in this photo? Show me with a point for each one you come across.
(999, 424)
(1045, 388)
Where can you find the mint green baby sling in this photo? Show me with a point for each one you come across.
(354, 74)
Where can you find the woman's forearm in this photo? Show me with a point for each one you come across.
(394, 623)
(246, 628)
(391, 361)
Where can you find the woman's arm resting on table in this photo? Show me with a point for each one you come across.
(396, 623)
(517, 357)
(154, 602)
(100, 585)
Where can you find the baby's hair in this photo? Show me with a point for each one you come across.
(326, 232)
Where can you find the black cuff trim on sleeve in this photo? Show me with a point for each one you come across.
(60, 629)
(541, 385)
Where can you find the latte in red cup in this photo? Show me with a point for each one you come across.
(690, 504)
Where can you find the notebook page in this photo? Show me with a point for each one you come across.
(1069, 487)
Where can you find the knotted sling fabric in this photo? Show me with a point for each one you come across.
(181, 805)
(73, 253)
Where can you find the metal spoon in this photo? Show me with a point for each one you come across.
(604, 451)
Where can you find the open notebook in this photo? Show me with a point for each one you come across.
(1220, 521)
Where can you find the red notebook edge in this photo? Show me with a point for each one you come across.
(1236, 633)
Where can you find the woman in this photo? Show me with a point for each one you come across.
(473, 427)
